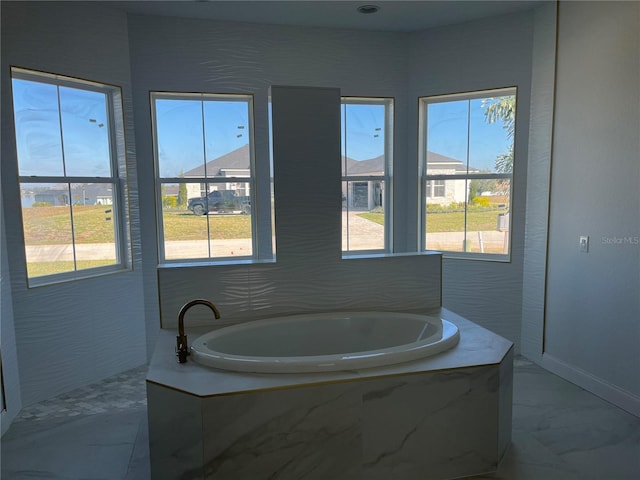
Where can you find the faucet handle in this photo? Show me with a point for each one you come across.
(182, 351)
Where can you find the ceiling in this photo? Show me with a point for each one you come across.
(393, 15)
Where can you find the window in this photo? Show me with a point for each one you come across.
(435, 188)
(71, 165)
(367, 150)
(467, 157)
(205, 181)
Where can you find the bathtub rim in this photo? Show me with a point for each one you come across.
(351, 361)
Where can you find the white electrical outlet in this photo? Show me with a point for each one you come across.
(584, 243)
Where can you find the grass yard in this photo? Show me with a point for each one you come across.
(451, 221)
(52, 225)
(180, 225)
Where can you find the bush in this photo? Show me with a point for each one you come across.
(169, 201)
(41, 204)
(481, 202)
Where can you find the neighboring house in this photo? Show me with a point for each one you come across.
(233, 164)
(367, 195)
(444, 192)
(357, 195)
(93, 194)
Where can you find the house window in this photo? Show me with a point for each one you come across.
(367, 152)
(467, 157)
(71, 167)
(205, 181)
(435, 188)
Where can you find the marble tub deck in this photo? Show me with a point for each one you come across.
(440, 417)
(560, 432)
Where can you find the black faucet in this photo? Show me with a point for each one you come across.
(182, 350)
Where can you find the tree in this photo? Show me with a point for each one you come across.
(502, 109)
(182, 192)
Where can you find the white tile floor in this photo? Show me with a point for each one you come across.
(560, 432)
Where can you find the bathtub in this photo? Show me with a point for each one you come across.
(324, 342)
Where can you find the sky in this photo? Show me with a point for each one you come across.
(448, 124)
(83, 115)
(192, 132)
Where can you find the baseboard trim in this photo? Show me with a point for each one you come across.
(612, 394)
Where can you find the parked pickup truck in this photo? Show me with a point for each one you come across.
(225, 201)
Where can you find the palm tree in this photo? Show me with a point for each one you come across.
(502, 109)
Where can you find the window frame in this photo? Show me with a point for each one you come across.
(117, 178)
(387, 178)
(423, 176)
(204, 181)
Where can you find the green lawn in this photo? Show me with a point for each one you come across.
(451, 221)
(180, 225)
(52, 225)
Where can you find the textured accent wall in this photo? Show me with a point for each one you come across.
(538, 180)
(11, 401)
(75, 333)
(309, 274)
(483, 54)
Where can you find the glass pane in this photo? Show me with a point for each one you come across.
(85, 132)
(46, 215)
(226, 133)
(214, 223)
(94, 224)
(447, 134)
(488, 217)
(491, 129)
(37, 125)
(363, 139)
(363, 215)
(445, 219)
(180, 147)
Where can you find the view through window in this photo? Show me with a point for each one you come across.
(367, 142)
(467, 156)
(71, 175)
(205, 182)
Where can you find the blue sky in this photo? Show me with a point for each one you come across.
(185, 141)
(83, 115)
(448, 124)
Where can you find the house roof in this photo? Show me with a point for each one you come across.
(376, 165)
(239, 159)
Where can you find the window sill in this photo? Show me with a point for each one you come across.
(357, 256)
(78, 275)
(215, 263)
(484, 257)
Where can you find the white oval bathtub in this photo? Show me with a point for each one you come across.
(324, 342)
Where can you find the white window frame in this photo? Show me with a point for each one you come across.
(425, 177)
(387, 178)
(117, 179)
(251, 180)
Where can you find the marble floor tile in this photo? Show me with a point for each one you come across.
(560, 432)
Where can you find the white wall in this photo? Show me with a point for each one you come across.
(479, 55)
(75, 333)
(592, 329)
